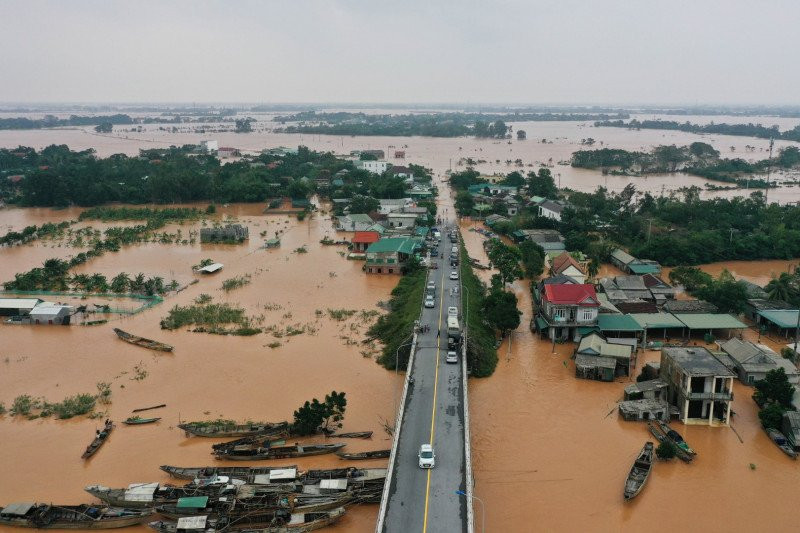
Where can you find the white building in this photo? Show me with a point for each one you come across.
(391, 205)
(209, 147)
(551, 209)
(49, 313)
(376, 167)
(402, 220)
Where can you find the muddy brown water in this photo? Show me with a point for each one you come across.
(207, 376)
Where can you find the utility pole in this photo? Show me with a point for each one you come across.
(649, 228)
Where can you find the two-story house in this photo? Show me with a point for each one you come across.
(699, 384)
(566, 308)
(389, 255)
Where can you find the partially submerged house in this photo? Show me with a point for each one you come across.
(231, 233)
(644, 409)
(647, 287)
(389, 255)
(627, 263)
(566, 308)
(50, 313)
(596, 345)
(363, 239)
(565, 264)
(700, 386)
(790, 427)
(775, 315)
(594, 367)
(402, 220)
(354, 222)
(650, 389)
(18, 306)
(549, 239)
(689, 306)
(753, 361)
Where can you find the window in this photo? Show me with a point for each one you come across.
(587, 314)
(559, 312)
(750, 379)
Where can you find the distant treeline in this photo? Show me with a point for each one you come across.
(424, 124)
(699, 159)
(50, 121)
(742, 130)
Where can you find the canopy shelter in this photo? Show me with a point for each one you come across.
(618, 323)
(784, 320)
(658, 321)
(709, 321)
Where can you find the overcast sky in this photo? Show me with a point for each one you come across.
(561, 51)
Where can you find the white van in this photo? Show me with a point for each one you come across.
(453, 328)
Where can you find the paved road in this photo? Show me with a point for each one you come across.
(425, 500)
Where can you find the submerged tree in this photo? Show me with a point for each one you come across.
(314, 416)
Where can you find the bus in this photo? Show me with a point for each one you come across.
(453, 328)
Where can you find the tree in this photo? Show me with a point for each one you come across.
(774, 388)
(464, 203)
(514, 179)
(692, 278)
(104, 127)
(771, 416)
(244, 125)
(364, 204)
(500, 310)
(784, 288)
(542, 184)
(532, 259)
(314, 416)
(725, 292)
(506, 260)
(521, 135)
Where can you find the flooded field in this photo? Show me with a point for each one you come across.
(441, 154)
(563, 465)
(207, 376)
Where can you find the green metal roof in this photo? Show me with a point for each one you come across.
(783, 318)
(403, 245)
(421, 231)
(538, 199)
(608, 322)
(657, 320)
(541, 323)
(360, 217)
(709, 321)
(194, 502)
(644, 269)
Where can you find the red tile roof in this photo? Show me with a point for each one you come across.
(563, 261)
(576, 294)
(366, 237)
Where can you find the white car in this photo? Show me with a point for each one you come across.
(454, 275)
(452, 311)
(430, 303)
(426, 455)
(452, 357)
(432, 285)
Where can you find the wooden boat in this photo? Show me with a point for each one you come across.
(227, 428)
(376, 454)
(137, 420)
(282, 522)
(99, 439)
(639, 473)
(659, 434)
(256, 441)
(353, 435)
(258, 453)
(781, 442)
(141, 495)
(159, 406)
(237, 472)
(46, 516)
(143, 342)
(676, 437)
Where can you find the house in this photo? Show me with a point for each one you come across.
(399, 154)
(226, 234)
(568, 266)
(376, 167)
(689, 306)
(595, 345)
(549, 239)
(402, 220)
(391, 205)
(699, 385)
(225, 152)
(210, 269)
(363, 239)
(491, 189)
(538, 289)
(401, 172)
(627, 263)
(209, 147)
(565, 308)
(491, 220)
(379, 154)
(512, 206)
(17, 306)
(644, 409)
(651, 389)
(551, 209)
(354, 222)
(790, 427)
(753, 361)
(647, 288)
(389, 255)
(50, 313)
(593, 367)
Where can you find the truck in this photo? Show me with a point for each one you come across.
(453, 328)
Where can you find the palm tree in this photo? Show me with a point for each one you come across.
(783, 288)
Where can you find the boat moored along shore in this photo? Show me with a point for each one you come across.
(258, 453)
(639, 472)
(283, 522)
(48, 516)
(229, 428)
(376, 454)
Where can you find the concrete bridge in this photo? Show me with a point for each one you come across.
(433, 409)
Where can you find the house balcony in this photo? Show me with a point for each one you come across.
(722, 396)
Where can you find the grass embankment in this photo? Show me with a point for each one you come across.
(395, 328)
(481, 350)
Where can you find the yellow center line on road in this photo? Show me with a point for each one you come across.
(433, 408)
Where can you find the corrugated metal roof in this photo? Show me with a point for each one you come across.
(192, 502)
(18, 303)
(622, 256)
(657, 320)
(393, 244)
(610, 322)
(783, 318)
(709, 321)
(17, 509)
(192, 522)
(638, 268)
(213, 267)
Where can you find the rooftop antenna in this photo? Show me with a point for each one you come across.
(769, 170)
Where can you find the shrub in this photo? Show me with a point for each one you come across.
(22, 405)
(666, 450)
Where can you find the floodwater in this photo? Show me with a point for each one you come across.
(563, 465)
(442, 154)
(207, 376)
